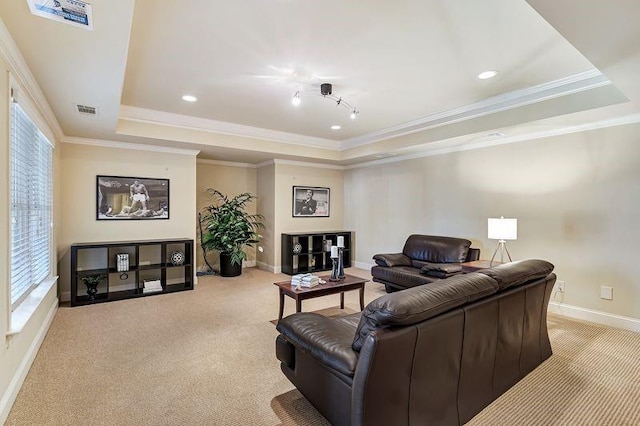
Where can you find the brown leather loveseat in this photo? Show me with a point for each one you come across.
(424, 259)
(433, 354)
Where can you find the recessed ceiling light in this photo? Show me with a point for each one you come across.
(487, 74)
(335, 127)
(189, 98)
(296, 99)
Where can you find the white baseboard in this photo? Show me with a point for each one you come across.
(266, 267)
(248, 263)
(11, 393)
(592, 315)
(363, 265)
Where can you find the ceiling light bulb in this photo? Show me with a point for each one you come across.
(335, 127)
(353, 114)
(296, 99)
(487, 74)
(189, 98)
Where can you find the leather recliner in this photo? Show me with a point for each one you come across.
(424, 259)
(435, 354)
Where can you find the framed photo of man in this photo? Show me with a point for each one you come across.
(131, 198)
(310, 201)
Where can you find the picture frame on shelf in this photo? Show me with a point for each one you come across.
(310, 201)
(131, 198)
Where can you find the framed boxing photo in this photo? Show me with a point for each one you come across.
(310, 201)
(131, 198)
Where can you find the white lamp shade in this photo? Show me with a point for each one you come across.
(502, 229)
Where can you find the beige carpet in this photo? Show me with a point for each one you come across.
(206, 357)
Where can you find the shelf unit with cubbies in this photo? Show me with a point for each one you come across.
(168, 261)
(311, 251)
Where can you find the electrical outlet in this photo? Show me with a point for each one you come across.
(560, 286)
(606, 292)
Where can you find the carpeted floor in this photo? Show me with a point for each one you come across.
(206, 357)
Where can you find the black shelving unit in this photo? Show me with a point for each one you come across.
(311, 251)
(149, 260)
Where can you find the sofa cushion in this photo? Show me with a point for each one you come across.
(428, 248)
(395, 259)
(404, 276)
(325, 339)
(417, 304)
(518, 272)
(447, 268)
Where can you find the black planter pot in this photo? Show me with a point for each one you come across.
(92, 289)
(228, 269)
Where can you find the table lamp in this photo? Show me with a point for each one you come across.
(502, 229)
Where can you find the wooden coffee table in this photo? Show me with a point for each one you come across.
(331, 287)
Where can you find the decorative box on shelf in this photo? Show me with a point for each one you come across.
(122, 262)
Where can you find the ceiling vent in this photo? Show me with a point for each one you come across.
(86, 110)
(72, 12)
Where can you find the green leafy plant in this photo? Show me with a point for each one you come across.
(92, 279)
(227, 227)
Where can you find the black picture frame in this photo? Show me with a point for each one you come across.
(118, 199)
(318, 205)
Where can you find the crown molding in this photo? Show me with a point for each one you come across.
(125, 145)
(308, 164)
(270, 162)
(226, 163)
(443, 147)
(22, 74)
(580, 82)
(144, 115)
(265, 163)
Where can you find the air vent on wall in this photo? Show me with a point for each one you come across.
(86, 110)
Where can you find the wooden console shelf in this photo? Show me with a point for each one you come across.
(149, 261)
(307, 252)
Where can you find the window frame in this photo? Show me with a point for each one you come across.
(39, 138)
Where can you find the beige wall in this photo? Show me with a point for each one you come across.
(17, 350)
(287, 176)
(273, 184)
(576, 198)
(230, 181)
(79, 166)
(266, 190)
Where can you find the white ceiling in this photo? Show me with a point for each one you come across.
(410, 68)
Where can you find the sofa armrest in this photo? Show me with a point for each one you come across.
(392, 259)
(327, 340)
(473, 254)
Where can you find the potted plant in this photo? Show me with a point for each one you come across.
(225, 226)
(92, 281)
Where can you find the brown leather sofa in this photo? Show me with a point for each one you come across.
(424, 259)
(433, 354)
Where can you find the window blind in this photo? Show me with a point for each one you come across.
(31, 205)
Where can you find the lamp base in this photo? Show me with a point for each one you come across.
(502, 246)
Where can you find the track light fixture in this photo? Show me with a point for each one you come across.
(296, 99)
(326, 91)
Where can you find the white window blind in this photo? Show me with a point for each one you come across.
(31, 205)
